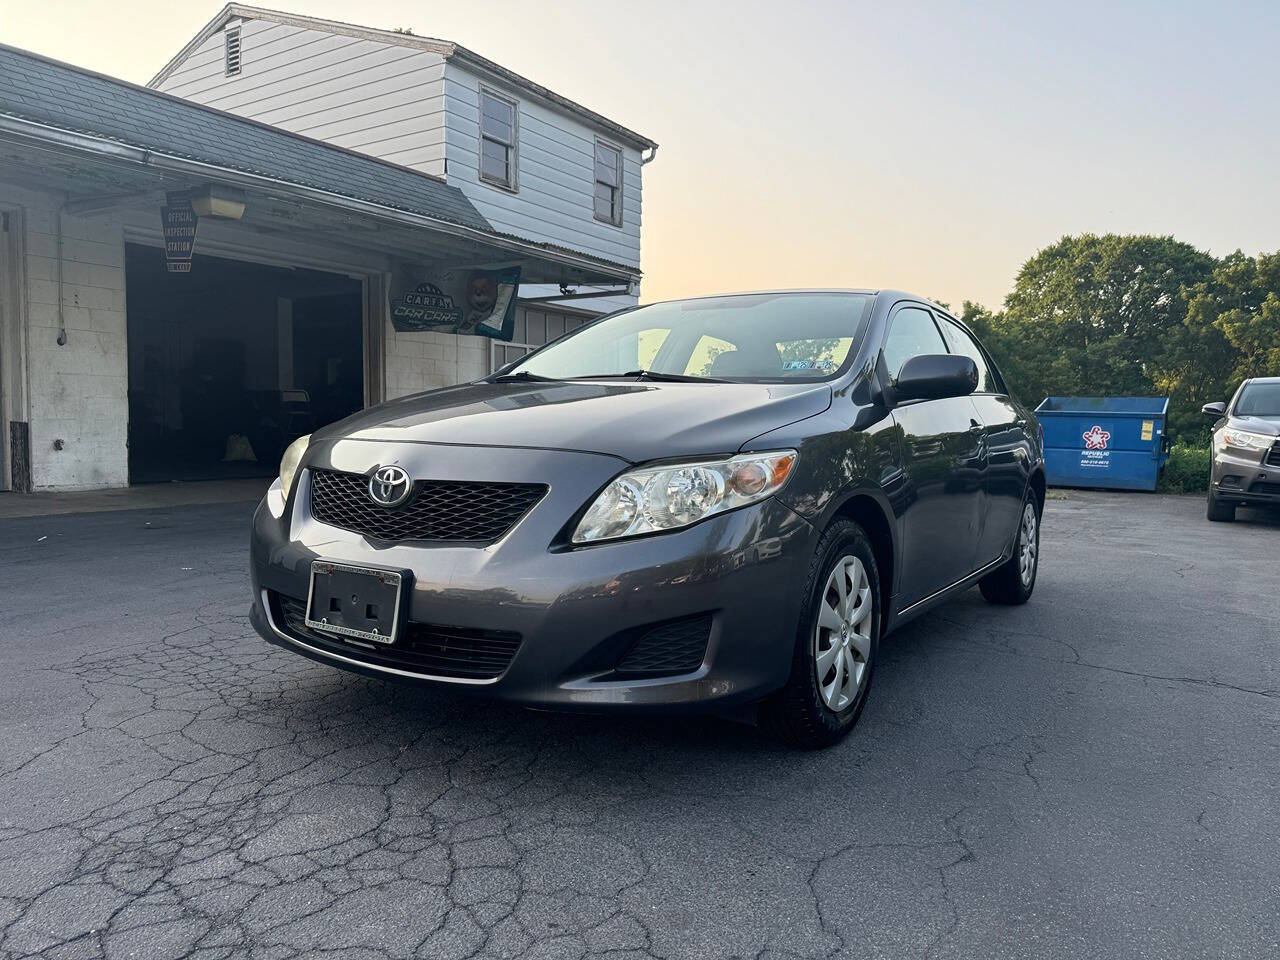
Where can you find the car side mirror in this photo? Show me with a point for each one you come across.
(1214, 409)
(934, 376)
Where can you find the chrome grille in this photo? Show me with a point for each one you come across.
(1273, 455)
(440, 510)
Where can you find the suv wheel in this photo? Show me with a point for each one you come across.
(835, 645)
(1220, 512)
(1012, 582)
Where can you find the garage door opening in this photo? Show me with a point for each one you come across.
(232, 361)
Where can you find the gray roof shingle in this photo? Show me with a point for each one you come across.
(45, 91)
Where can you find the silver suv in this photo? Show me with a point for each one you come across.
(1246, 448)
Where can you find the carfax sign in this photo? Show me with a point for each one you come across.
(477, 302)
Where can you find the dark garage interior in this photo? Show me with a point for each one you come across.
(232, 361)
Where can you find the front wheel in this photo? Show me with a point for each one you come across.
(1220, 512)
(835, 645)
(1012, 582)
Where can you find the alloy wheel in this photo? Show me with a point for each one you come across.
(1028, 545)
(842, 637)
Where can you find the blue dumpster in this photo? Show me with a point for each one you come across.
(1114, 442)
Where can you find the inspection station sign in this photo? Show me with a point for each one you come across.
(179, 223)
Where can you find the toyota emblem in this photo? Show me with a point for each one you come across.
(389, 486)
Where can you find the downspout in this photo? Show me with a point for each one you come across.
(653, 152)
(62, 324)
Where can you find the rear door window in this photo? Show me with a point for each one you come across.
(960, 342)
(912, 333)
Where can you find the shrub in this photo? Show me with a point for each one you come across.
(1187, 470)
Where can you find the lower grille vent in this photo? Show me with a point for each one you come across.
(458, 653)
(671, 648)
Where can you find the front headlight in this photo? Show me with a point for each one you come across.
(1245, 440)
(655, 499)
(289, 462)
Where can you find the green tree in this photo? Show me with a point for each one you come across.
(1247, 297)
(1130, 315)
(1095, 313)
(1231, 331)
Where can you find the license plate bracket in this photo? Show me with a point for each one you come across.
(363, 603)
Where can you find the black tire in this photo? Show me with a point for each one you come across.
(1220, 512)
(798, 712)
(1006, 584)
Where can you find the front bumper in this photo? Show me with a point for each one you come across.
(575, 610)
(1245, 478)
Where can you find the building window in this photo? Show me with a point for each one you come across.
(533, 329)
(499, 128)
(608, 190)
(231, 51)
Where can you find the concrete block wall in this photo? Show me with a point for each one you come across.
(77, 392)
(424, 361)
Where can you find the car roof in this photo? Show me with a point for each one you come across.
(1263, 380)
(893, 295)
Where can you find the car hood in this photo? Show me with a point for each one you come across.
(1267, 426)
(635, 421)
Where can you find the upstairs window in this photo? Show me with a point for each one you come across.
(231, 51)
(608, 189)
(498, 132)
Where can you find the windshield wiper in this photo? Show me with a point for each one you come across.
(652, 375)
(522, 376)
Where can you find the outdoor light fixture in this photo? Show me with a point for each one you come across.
(215, 200)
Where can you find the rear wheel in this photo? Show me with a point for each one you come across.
(835, 644)
(1220, 512)
(1012, 582)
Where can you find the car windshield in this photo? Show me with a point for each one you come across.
(748, 337)
(1259, 400)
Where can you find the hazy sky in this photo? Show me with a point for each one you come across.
(927, 146)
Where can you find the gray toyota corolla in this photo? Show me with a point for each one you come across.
(704, 503)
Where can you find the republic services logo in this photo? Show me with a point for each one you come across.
(1096, 438)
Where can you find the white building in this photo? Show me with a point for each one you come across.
(535, 164)
(316, 203)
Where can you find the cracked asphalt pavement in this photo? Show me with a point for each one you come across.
(1091, 775)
